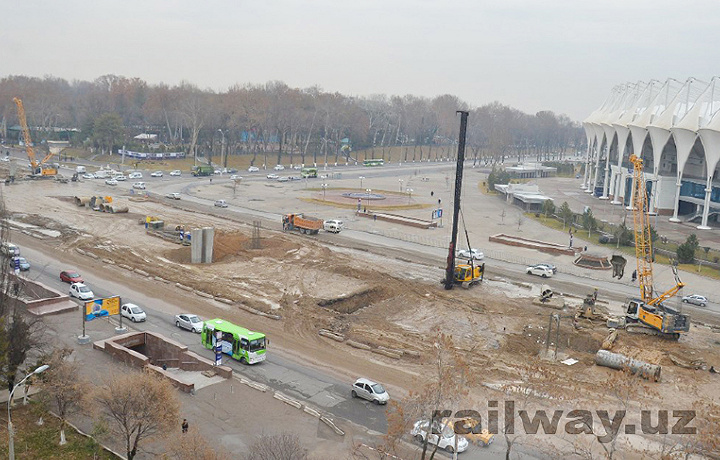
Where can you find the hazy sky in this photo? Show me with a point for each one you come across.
(557, 55)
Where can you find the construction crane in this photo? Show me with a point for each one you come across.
(38, 168)
(655, 316)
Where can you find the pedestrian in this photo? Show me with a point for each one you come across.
(585, 249)
(634, 276)
(184, 426)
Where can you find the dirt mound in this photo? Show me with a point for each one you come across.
(237, 246)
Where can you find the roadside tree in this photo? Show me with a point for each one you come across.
(139, 406)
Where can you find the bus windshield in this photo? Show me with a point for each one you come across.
(257, 344)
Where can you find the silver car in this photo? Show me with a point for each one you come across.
(695, 299)
(367, 389)
(190, 322)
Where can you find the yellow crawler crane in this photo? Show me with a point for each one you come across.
(39, 168)
(649, 309)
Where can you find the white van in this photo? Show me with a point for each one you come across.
(80, 170)
(333, 226)
(102, 174)
(139, 185)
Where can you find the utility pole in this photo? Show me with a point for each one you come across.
(450, 271)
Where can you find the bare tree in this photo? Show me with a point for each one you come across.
(139, 406)
(64, 387)
(284, 446)
(193, 446)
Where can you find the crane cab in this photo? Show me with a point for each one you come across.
(469, 275)
(667, 321)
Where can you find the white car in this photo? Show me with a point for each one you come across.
(333, 226)
(471, 254)
(221, 204)
(441, 435)
(279, 167)
(133, 312)
(120, 178)
(135, 175)
(253, 169)
(111, 181)
(173, 196)
(5, 159)
(190, 322)
(81, 291)
(176, 173)
(695, 299)
(282, 179)
(235, 177)
(218, 171)
(156, 174)
(367, 389)
(272, 176)
(88, 176)
(539, 270)
(139, 185)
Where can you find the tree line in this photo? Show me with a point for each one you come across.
(301, 125)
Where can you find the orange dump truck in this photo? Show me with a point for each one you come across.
(305, 224)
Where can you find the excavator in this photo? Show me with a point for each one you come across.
(37, 168)
(649, 313)
(468, 274)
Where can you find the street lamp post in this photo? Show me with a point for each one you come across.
(361, 179)
(368, 191)
(401, 182)
(409, 192)
(11, 441)
(324, 187)
(222, 149)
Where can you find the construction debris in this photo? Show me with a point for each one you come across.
(622, 362)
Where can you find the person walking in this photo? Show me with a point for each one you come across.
(634, 276)
(184, 426)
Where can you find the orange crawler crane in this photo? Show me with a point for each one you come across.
(38, 168)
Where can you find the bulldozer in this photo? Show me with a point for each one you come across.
(468, 275)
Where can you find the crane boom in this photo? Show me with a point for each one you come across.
(26, 133)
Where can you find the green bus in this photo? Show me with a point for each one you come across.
(374, 162)
(246, 346)
(308, 172)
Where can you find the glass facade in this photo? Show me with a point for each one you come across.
(695, 190)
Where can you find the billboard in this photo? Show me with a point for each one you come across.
(102, 307)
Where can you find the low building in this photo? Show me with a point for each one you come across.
(530, 171)
(525, 196)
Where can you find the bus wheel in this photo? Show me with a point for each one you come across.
(243, 361)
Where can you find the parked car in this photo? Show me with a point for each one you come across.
(190, 322)
(139, 185)
(88, 176)
(471, 253)
(133, 312)
(23, 264)
(81, 291)
(111, 181)
(279, 167)
(218, 171)
(71, 276)
(253, 169)
(540, 270)
(272, 176)
(367, 389)
(221, 204)
(294, 177)
(173, 196)
(552, 267)
(695, 299)
(176, 172)
(135, 175)
(156, 174)
(607, 238)
(441, 435)
(235, 177)
(282, 179)
(120, 178)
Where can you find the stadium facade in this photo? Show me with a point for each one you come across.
(674, 127)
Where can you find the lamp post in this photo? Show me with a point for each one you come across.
(361, 179)
(11, 441)
(368, 191)
(324, 187)
(409, 192)
(401, 182)
(222, 149)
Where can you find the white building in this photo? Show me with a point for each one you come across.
(675, 128)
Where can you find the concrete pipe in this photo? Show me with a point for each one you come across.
(82, 200)
(622, 362)
(115, 209)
